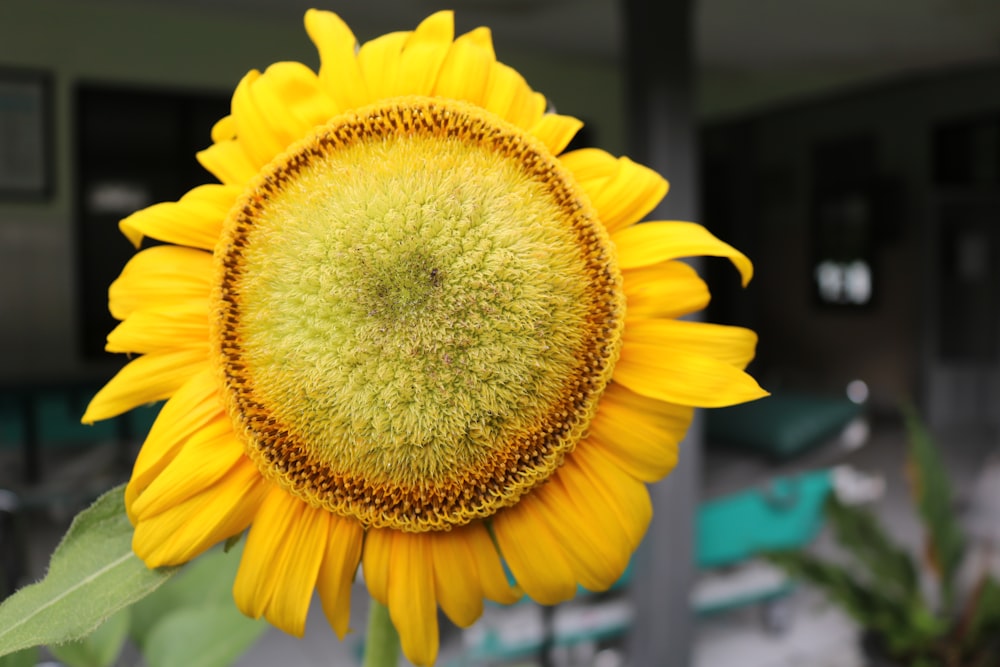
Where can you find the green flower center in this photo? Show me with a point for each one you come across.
(416, 316)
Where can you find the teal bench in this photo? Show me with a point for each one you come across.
(780, 426)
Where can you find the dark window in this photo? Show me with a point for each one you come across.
(134, 148)
(845, 213)
(966, 152)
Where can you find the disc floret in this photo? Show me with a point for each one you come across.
(423, 343)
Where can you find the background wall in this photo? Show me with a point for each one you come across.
(892, 343)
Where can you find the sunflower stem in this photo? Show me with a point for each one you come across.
(382, 641)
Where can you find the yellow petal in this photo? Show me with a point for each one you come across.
(376, 562)
(224, 129)
(195, 220)
(638, 433)
(456, 578)
(466, 68)
(533, 553)
(207, 456)
(556, 131)
(683, 377)
(289, 98)
(731, 345)
(194, 405)
(509, 96)
(253, 131)
(438, 28)
(424, 54)
(622, 191)
(492, 576)
(379, 60)
(339, 73)
(630, 195)
(229, 162)
(150, 378)
(167, 328)
(480, 37)
(591, 167)
(626, 496)
(188, 529)
(336, 572)
(667, 289)
(654, 242)
(594, 542)
(159, 277)
(281, 561)
(257, 578)
(412, 605)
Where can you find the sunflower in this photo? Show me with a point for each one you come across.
(408, 330)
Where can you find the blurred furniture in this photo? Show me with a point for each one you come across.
(46, 415)
(53, 465)
(783, 425)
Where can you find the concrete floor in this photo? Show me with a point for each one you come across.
(817, 636)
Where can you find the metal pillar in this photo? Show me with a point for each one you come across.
(659, 71)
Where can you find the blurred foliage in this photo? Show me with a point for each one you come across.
(27, 657)
(180, 624)
(931, 492)
(879, 585)
(98, 598)
(100, 648)
(92, 576)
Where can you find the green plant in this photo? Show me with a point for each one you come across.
(97, 596)
(880, 583)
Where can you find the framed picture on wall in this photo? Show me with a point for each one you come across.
(25, 134)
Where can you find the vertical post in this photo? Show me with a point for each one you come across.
(659, 70)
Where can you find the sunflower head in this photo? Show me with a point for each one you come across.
(408, 330)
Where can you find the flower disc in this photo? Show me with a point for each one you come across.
(416, 314)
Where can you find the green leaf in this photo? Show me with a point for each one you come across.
(208, 636)
(207, 580)
(192, 620)
(890, 619)
(98, 649)
(382, 643)
(932, 493)
(27, 657)
(984, 622)
(233, 541)
(859, 532)
(93, 574)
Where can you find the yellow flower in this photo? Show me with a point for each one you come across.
(408, 330)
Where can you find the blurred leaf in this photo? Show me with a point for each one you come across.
(93, 574)
(932, 493)
(24, 658)
(862, 604)
(859, 532)
(984, 621)
(208, 636)
(233, 541)
(98, 649)
(207, 580)
(891, 620)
